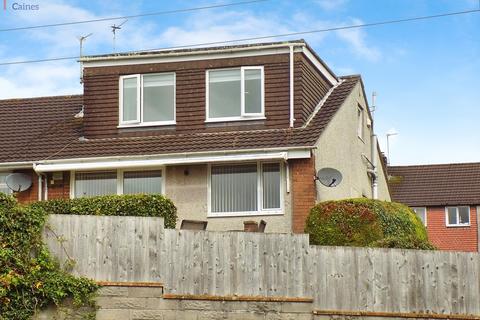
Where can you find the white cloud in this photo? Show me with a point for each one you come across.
(356, 39)
(331, 4)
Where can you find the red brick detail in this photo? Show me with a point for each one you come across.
(452, 238)
(59, 189)
(30, 195)
(304, 194)
(55, 190)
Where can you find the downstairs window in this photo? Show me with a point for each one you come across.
(244, 189)
(99, 183)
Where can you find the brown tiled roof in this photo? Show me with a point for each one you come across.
(436, 185)
(45, 128)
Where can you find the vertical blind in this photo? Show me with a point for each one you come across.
(271, 185)
(142, 182)
(234, 188)
(89, 184)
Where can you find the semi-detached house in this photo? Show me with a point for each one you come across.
(228, 133)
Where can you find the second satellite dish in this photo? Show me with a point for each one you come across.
(18, 182)
(329, 177)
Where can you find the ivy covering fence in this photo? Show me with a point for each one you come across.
(30, 278)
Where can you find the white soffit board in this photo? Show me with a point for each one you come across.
(172, 160)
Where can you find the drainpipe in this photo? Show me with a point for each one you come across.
(39, 187)
(374, 151)
(292, 119)
(45, 194)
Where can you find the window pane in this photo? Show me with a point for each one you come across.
(158, 97)
(421, 213)
(253, 91)
(142, 182)
(224, 93)
(452, 215)
(88, 184)
(130, 99)
(3, 185)
(234, 188)
(271, 186)
(464, 216)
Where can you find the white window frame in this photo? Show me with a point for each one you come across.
(260, 210)
(4, 185)
(139, 122)
(426, 214)
(458, 224)
(119, 178)
(243, 115)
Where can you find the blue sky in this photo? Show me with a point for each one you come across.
(426, 73)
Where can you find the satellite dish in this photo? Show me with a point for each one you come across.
(329, 177)
(18, 181)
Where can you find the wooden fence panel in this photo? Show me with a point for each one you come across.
(271, 265)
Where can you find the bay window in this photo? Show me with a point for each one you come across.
(99, 183)
(235, 94)
(242, 189)
(147, 99)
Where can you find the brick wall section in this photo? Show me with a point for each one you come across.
(60, 189)
(303, 191)
(55, 191)
(31, 194)
(452, 238)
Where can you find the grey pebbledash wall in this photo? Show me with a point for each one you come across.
(195, 265)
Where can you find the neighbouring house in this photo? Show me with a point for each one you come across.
(228, 133)
(447, 199)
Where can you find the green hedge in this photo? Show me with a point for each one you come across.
(366, 223)
(140, 205)
(29, 277)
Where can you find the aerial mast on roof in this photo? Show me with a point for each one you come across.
(114, 31)
(82, 39)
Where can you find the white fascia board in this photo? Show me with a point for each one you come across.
(319, 65)
(15, 165)
(168, 160)
(186, 56)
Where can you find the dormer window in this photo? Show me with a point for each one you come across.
(235, 94)
(147, 99)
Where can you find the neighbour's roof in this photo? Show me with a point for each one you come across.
(436, 185)
(45, 128)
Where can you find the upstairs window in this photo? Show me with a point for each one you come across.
(458, 216)
(147, 99)
(235, 94)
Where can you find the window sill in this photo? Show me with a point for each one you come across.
(233, 119)
(458, 225)
(147, 124)
(244, 214)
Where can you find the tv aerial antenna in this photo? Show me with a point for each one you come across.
(115, 28)
(82, 40)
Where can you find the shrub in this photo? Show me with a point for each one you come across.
(140, 205)
(366, 223)
(29, 277)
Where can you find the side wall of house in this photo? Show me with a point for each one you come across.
(187, 186)
(303, 191)
(340, 147)
(452, 238)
